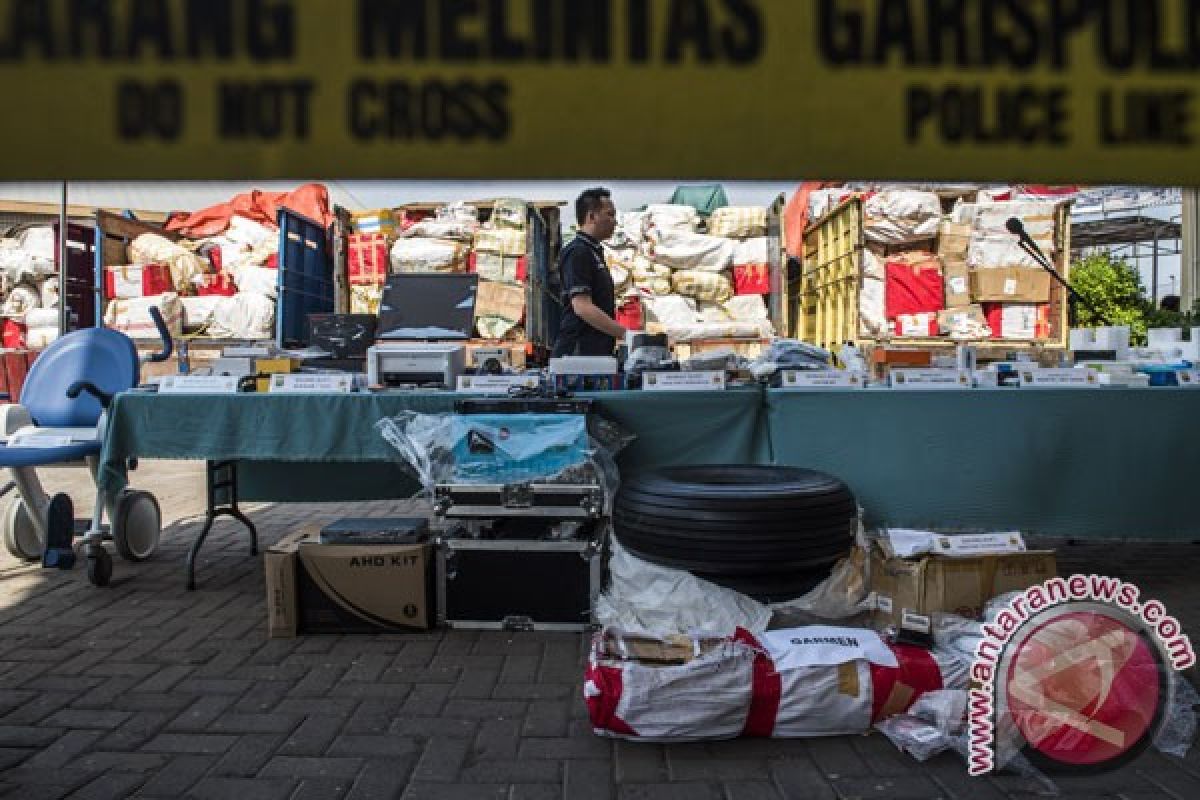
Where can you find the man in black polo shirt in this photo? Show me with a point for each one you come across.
(589, 297)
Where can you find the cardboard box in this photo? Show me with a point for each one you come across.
(960, 586)
(316, 588)
(954, 241)
(957, 277)
(1010, 285)
(947, 319)
(502, 300)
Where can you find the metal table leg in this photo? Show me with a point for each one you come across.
(221, 477)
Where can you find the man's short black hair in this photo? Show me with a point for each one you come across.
(589, 201)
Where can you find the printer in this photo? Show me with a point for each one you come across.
(416, 363)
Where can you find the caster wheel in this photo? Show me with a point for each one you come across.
(21, 538)
(99, 567)
(136, 525)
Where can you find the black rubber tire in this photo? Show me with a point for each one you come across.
(744, 522)
(99, 568)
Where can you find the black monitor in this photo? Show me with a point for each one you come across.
(427, 306)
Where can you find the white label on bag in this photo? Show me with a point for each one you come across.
(821, 646)
(979, 544)
(809, 379)
(1189, 378)
(930, 379)
(912, 621)
(683, 381)
(198, 384)
(1059, 379)
(495, 384)
(958, 285)
(1010, 286)
(884, 603)
(312, 384)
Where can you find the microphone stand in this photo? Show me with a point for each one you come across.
(1030, 247)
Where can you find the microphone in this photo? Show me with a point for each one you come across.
(1016, 227)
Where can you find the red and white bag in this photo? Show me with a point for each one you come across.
(799, 683)
(137, 280)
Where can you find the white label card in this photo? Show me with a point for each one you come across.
(806, 379)
(978, 544)
(1010, 287)
(958, 285)
(822, 646)
(683, 381)
(198, 384)
(495, 384)
(1059, 379)
(312, 384)
(246, 351)
(913, 379)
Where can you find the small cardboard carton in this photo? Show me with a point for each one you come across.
(317, 588)
(957, 277)
(1010, 285)
(962, 586)
(954, 241)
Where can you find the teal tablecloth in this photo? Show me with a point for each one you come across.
(326, 448)
(1103, 464)
(1078, 463)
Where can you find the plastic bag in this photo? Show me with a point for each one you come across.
(506, 449)
(790, 354)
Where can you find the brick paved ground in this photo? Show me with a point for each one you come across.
(146, 690)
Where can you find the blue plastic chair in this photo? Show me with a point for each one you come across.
(61, 419)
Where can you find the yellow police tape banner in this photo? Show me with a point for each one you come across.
(1035, 90)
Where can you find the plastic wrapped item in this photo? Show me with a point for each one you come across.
(918, 738)
(713, 287)
(666, 217)
(724, 359)
(506, 449)
(457, 230)
(852, 358)
(738, 222)
(790, 354)
(842, 598)
(185, 265)
(646, 597)
(902, 217)
(21, 299)
(259, 280)
(428, 255)
(246, 315)
(682, 250)
(794, 683)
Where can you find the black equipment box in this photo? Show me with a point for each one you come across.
(533, 405)
(345, 336)
(407, 530)
(517, 585)
(545, 501)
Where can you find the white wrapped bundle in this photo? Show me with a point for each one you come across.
(428, 255)
(199, 312)
(671, 311)
(150, 248)
(738, 223)
(692, 251)
(132, 316)
(246, 315)
(714, 287)
(902, 217)
(21, 299)
(666, 217)
(258, 280)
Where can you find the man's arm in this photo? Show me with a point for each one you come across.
(587, 311)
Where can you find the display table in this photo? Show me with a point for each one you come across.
(1106, 463)
(1091, 463)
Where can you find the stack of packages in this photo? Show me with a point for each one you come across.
(499, 257)
(367, 258)
(223, 287)
(693, 285)
(29, 285)
(902, 287)
(1009, 291)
